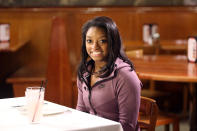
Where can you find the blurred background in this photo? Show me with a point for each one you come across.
(43, 41)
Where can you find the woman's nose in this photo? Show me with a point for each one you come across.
(95, 45)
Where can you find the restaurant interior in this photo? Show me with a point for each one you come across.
(44, 43)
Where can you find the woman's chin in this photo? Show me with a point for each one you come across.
(98, 60)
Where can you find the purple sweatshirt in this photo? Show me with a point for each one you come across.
(116, 97)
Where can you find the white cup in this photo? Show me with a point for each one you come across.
(35, 99)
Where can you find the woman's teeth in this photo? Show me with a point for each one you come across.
(96, 53)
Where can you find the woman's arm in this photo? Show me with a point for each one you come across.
(128, 94)
(80, 102)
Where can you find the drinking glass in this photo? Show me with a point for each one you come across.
(35, 99)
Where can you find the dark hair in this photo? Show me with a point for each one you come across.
(115, 48)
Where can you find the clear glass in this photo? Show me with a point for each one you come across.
(34, 99)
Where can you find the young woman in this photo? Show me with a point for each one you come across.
(107, 83)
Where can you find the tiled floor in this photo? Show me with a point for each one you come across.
(184, 126)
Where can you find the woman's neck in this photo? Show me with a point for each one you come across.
(99, 65)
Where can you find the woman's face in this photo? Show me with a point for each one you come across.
(96, 44)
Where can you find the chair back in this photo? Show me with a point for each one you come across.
(147, 114)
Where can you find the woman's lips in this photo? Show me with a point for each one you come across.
(96, 53)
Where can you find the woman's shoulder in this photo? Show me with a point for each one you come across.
(123, 68)
(126, 73)
(127, 79)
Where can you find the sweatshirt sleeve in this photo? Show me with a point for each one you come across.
(128, 94)
(80, 102)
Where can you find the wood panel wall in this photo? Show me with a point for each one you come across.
(32, 27)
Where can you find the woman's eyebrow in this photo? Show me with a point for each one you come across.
(104, 36)
(88, 36)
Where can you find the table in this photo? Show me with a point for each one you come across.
(173, 68)
(13, 118)
(165, 45)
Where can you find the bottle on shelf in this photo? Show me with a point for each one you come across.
(192, 49)
(4, 36)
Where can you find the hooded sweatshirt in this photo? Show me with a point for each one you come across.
(116, 97)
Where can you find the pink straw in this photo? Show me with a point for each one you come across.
(37, 105)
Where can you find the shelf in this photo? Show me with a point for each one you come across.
(28, 74)
(13, 48)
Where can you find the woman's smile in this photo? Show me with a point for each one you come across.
(96, 53)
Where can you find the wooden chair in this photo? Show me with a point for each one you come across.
(147, 114)
(167, 119)
(150, 117)
(163, 118)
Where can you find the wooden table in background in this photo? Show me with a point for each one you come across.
(164, 45)
(170, 68)
(30, 75)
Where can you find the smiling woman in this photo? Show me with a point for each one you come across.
(107, 83)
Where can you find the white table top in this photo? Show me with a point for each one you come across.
(56, 118)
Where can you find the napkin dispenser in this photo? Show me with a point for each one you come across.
(192, 49)
(150, 33)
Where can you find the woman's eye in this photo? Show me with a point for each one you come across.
(89, 41)
(103, 41)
